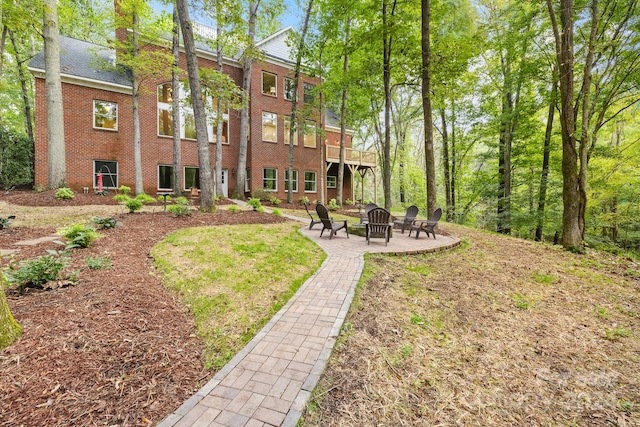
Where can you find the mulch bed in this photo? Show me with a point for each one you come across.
(113, 349)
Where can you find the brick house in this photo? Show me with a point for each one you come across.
(99, 127)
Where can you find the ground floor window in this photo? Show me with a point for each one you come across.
(332, 181)
(165, 177)
(310, 182)
(191, 177)
(108, 171)
(270, 179)
(294, 183)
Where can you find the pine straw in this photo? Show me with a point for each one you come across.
(477, 336)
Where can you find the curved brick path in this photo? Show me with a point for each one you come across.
(270, 381)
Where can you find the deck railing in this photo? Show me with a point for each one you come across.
(351, 156)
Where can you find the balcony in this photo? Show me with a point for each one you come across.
(351, 156)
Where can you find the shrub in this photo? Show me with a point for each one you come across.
(260, 209)
(145, 198)
(348, 202)
(133, 204)
(120, 198)
(38, 271)
(16, 158)
(79, 236)
(260, 194)
(6, 221)
(274, 200)
(64, 193)
(181, 207)
(102, 223)
(234, 208)
(124, 189)
(254, 202)
(97, 263)
(333, 205)
(277, 212)
(163, 199)
(304, 200)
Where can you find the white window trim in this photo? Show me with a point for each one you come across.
(275, 76)
(276, 130)
(295, 181)
(115, 129)
(184, 111)
(315, 182)
(287, 119)
(284, 88)
(334, 180)
(274, 180)
(184, 176)
(158, 177)
(310, 124)
(95, 173)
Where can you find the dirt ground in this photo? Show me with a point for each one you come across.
(113, 349)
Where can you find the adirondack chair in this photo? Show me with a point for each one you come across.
(405, 222)
(427, 226)
(328, 223)
(378, 225)
(313, 215)
(364, 217)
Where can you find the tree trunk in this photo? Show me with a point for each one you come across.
(241, 176)
(294, 103)
(452, 216)
(25, 90)
(175, 106)
(57, 167)
(135, 100)
(343, 114)
(9, 329)
(445, 162)
(387, 43)
(542, 195)
(219, 118)
(429, 152)
(199, 112)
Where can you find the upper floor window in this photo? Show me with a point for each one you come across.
(105, 115)
(269, 84)
(165, 117)
(269, 127)
(287, 132)
(289, 89)
(309, 133)
(309, 95)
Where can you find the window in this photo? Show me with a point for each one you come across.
(269, 127)
(309, 133)
(105, 115)
(287, 130)
(332, 181)
(165, 118)
(165, 177)
(294, 183)
(108, 170)
(310, 182)
(225, 124)
(269, 84)
(191, 177)
(309, 96)
(247, 181)
(289, 89)
(270, 179)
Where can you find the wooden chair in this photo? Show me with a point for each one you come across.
(405, 222)
(378, 225)
(313, 215)
(364, 217)
(328, 223)
(427, 226)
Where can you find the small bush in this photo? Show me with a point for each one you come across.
(274, 200)
(260, 194)
(98, 263)
(333, 205)
(181, 207)
(234, 208)
(124, 189)
(64, 193)
(277, 212)
(103, 223)
(254, 202)
(38, 271)
(6, 221)
(120, 198)
(348, 202)
(260, 209)
(164, 198)
(145, 198)
(133, 204)
(304, 200)
(79, 236)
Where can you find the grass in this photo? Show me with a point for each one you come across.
(500, 331)
(235, 278)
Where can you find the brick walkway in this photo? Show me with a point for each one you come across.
(270, 381)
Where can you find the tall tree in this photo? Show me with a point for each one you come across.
(57, 167)
(429, 152)
(175, 104)
(199, 111)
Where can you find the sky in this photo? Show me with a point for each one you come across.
(292, 16)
